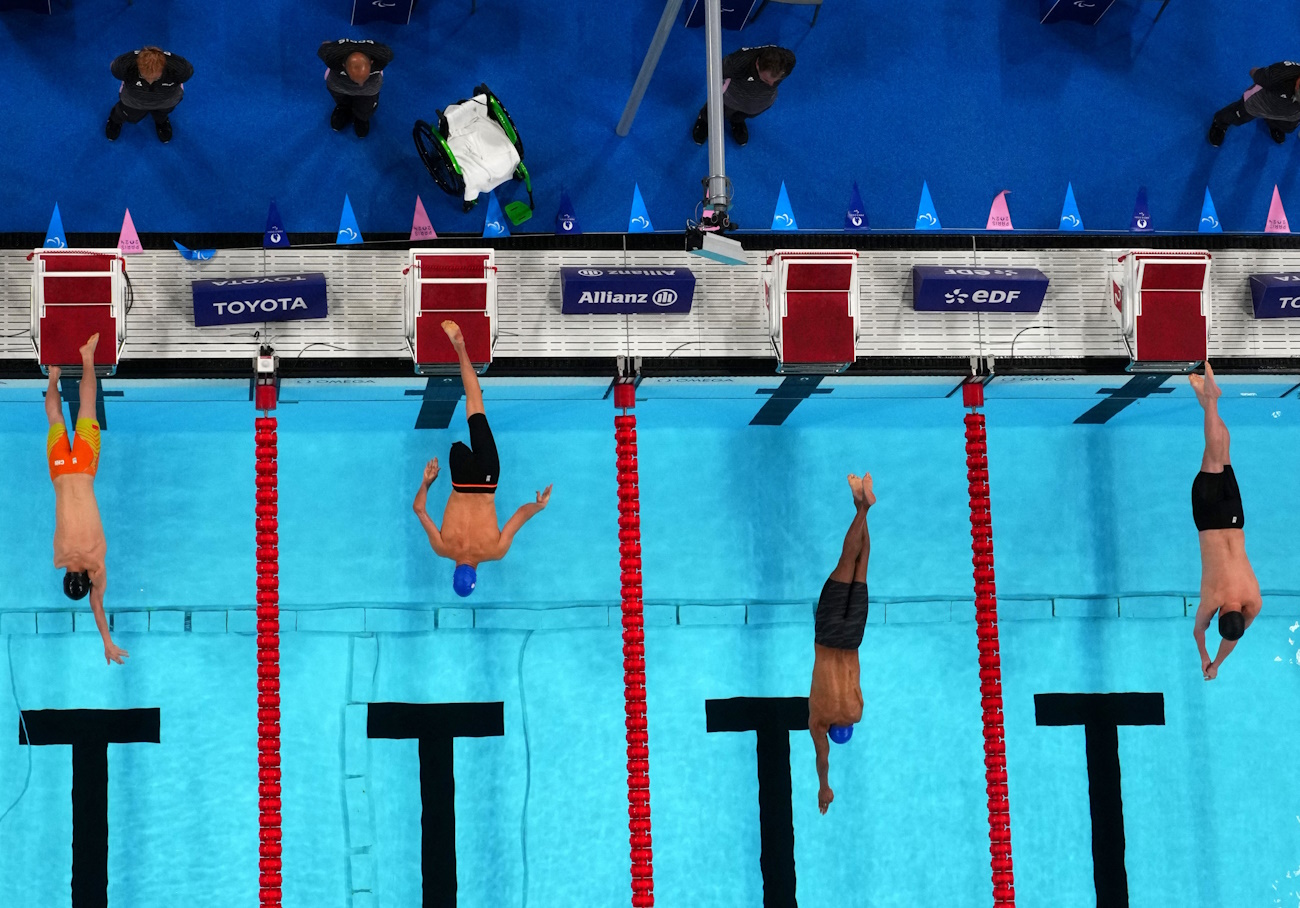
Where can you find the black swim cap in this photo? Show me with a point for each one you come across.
(1231, 625)
(76, 584)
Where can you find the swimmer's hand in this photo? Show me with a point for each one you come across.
(1210, 671)
(824, 798)
(544, 498)
(114, 653)
(430, 472)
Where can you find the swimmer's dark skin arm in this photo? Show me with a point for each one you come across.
(525, 513)
(823, 747)
(421, 509)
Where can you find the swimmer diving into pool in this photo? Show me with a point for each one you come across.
(1228, 585)
(469, 534)
(835, 703)
(79, 545)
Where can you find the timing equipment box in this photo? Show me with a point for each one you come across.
(271, 298)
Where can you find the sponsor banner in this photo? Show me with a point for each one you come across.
(625, 291)
(938, 288)
(272, 298)
(1275, 295)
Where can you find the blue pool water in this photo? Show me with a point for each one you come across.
(1097, 561)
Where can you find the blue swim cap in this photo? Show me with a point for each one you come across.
(840, 734)
(464, 580)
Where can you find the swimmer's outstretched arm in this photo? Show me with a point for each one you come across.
(823, 747)
(1210, 667)
(421, 509)
(112, 652)
(525, 513)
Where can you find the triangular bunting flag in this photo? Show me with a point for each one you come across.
(128, 242)
(783, 217)
(1070, 217)
(421, 228)
(274, 237)
(1276, 216)
(349, 230)
(495, 224)
(856, 217)
(639, 220)
(566, 219)
(926, 217)
(1141, 222)
(194, 255)
(999, 216)
(1209, 217)
(54, 238)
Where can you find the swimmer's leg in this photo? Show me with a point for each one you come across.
(53, 400)
(864, 504)
(468, 377)
(854, 539)
(1216, 431)
(86, 410)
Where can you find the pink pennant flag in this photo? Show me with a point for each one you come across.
(999, 216)
(129, 241)
(1276, 216)
(421, 229)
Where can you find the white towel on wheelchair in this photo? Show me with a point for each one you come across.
(486, 156)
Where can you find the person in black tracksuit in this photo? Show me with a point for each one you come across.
(1275, 97)
(152, 83)
(356, 73)
(751, 76)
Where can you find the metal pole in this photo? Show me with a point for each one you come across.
(713, 50)
(648, 65)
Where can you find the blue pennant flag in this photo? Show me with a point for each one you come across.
(54, 238)
(926, 217)
(495, 223)
(783, 217)
(566, 220)
(855, 218)
(1070, 217)
(639, 220)
(275, 236)
(194, 255)
(1141, 222)
(349, 230)
(1209, 217)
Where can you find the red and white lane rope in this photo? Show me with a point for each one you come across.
(638, 738)
(986, 617)
(268, 665)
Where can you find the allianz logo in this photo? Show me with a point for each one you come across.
(664, 297)
(958, 296)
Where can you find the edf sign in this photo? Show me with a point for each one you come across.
(272, 298)
(1275, 295)
(939, 288)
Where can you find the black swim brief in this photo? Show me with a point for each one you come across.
(841, 615)
(475, 467)
(1216, 501)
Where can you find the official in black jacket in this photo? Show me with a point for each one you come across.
(751, 76)
(152, 83)
(1275, 97)
(356, 73)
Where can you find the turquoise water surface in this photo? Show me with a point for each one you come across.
(1097, 567)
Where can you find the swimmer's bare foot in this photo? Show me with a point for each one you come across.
(453, 333)
(1206, 387)
(855, 485)
(867, 495)
(87, 350)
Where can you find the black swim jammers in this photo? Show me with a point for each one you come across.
(1216, 501)
(476, 468)
(841, 615)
